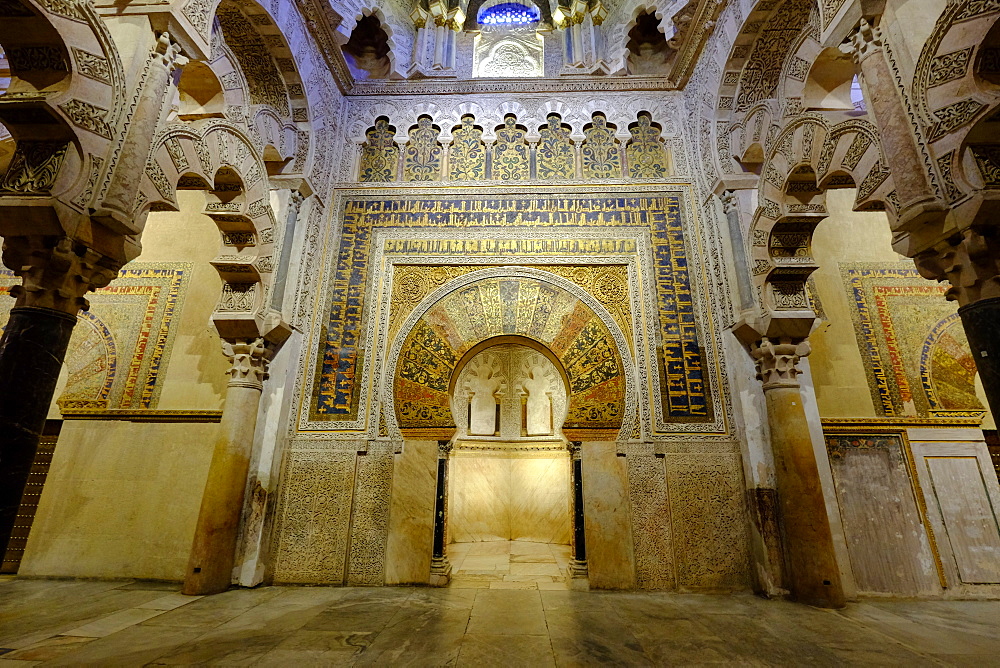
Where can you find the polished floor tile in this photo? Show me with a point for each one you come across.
(485, 623)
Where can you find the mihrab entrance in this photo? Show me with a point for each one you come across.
(509, 506)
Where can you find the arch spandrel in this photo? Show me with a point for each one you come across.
(460, 319)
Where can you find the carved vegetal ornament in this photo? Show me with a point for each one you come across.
(970, 261)
(777, 361)
(54, 273)
(249, 361)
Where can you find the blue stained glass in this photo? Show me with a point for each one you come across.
(508, 13)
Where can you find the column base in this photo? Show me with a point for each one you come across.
(578, 575)
(440, 572)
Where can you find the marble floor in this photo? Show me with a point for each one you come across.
(99, 623)
(506, 564)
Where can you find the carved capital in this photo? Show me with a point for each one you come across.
(445, 448)
(249, 359)
(730, 202)
(866, 40)
(777, 361)
(970, 261)
(169, 52)
(54, 272)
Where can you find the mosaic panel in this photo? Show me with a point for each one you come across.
(645, 153)
(379, 154)
(422, 157)
(122, 343)
(511, 158)
(467, 155)
(912, 342)
(554, 156)
(679, 351)
(511, 306)
(601, 158)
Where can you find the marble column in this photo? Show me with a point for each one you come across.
(577, 570)
(813, 572)
(918, 200)
(295, 200)
(115, 211)
(213, 552)
(731, 207)
(970, 262)
(55, 274)
(440, 566)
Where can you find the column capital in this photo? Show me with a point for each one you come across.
(969, 260)
(249, 359)
(169, 52)
(866, 40)
(777, 360)
(444, 448)
(55, 273)
(730, 201)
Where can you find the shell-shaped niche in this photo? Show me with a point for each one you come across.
(509, 394)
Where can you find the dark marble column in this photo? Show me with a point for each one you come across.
(981, 320)
(55, 273)
(31, 354)
(440, 566)
(578, 564)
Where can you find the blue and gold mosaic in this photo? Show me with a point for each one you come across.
(121, 345)
(680, 354)
(912, 343)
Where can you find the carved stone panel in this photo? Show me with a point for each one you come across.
(370, 518)
(710, 522)
(651, 530)
(315, 513)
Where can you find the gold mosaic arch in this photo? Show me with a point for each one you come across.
(497, 308)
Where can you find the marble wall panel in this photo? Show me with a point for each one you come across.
(509, 496)
(888, 544)
(963, 502)
(411, 517)
(478, 498)
(540, 498)
(100, 514)
(315, 517)
(710, 521)
(608, 525)
(370, 517)
(651, 530)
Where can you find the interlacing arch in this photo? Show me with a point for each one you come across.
(799, 144)
(65, 107)
(217, 157)
(956, 98)
(806, 158)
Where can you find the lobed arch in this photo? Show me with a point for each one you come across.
(808, 157)
(621, 116)
(285, 37)
(956, 102)
(430, 320)
(64, 108)
(399, 33)
(222, 160)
